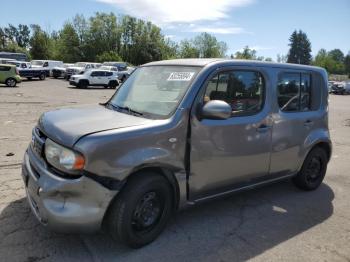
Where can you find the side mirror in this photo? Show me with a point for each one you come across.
(216, 109)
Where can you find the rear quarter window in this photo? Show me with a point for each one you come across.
(5, 68)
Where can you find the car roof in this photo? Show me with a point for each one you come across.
(8, 65)
(202, 62)
(97, 69)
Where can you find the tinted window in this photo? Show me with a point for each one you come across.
(294, 92)
(242, 90)
(98, 73)
(5, 68)
(288, 92)
(305, 92)
(109, 73)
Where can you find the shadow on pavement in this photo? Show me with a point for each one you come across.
(234, 228)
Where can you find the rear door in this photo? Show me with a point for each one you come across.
(294, 120)
(236, 151)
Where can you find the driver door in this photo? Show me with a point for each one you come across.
(234, 151)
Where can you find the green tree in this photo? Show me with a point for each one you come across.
(246, 53)
(209, 47)
(347, 64)
(40, 43)
(188, 50)
(337, 55)
(108, 56)
(300, 48)
(331, 61)
(68, 44)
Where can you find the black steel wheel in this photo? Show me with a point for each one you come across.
(141, 210)
(313, 170)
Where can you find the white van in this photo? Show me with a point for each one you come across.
(48, 64)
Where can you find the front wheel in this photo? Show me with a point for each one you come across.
(11, 82)
(42, 76)
(140, 213)
(313, 170)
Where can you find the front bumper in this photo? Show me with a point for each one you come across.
(64, 205)
(73, 83)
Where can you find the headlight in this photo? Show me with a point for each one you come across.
(63, 158)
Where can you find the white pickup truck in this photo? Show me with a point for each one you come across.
(95, 77)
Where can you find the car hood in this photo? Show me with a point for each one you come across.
(60, 68)
(75, 68)
(67, 126)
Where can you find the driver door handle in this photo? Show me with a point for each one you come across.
(263, 128)
(308, 123)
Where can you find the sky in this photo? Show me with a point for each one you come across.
(264, 25)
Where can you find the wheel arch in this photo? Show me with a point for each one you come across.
(165, 172)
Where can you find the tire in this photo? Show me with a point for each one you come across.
(123, 78)
(83, 84)
(29, 78)
(141, 211)
(11, 82)
(313, 170)
(42, 76)
(113, 84)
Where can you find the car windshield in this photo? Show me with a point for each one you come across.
(154, 91)
(80, 64)
(37, 62)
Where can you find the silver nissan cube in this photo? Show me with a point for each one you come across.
(177, 133)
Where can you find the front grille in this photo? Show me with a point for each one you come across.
(38, 141)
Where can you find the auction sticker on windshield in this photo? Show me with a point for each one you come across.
(180, 76)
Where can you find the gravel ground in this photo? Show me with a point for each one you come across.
(274, 223)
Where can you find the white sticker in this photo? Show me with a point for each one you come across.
(180, 76)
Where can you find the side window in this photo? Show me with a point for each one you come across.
(5, 68)
(46, 64)
(94, 73)
(87, 66)
(288, 92)
(294, 92)
(244, 91)
(305, 92)
(109, 73)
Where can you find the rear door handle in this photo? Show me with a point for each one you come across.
(308, 123)
(263, 128)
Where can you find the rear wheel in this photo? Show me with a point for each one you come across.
(140, 213)
(29, 78)
(11, 82)
(313, 170)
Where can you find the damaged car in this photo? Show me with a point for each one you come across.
(175, 134)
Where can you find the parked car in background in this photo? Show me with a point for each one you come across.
(6, 60)
(31, 72)
(95, 77)
(80, 68)
(14, 56)
(9, 75)
(124, 70)
(20, 64)
(340, 88)
(177, 133)
(60, 71)
(47, 65)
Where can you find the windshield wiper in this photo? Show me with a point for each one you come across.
(125, 108)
